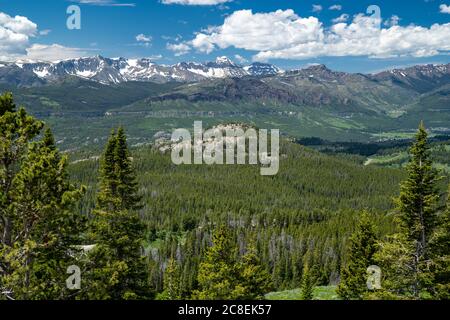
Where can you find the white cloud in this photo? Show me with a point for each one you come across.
(178, 49)
(240, 58)
(105, 3)
(15, 34)
(18, 24)
(155, 57)
(336, 7)
(444, 8)
(283, 34)
(392, 21)
(143, 38)
(276, 30)
(196, 2)
(53, 52)
(316, 8)
(45, 32)
(342, 18)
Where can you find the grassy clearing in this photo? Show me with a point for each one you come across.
(320, 293)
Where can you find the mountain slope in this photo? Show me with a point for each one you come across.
(315, 86)
(420, 78)
(73, 94)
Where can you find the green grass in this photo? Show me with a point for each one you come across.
(440, 152)
(320, 293)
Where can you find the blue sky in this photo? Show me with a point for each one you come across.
(288, 33)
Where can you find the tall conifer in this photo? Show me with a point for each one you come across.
(307, 285)
(117, 268)
(353, 284)
(38, 225)
(417, 206)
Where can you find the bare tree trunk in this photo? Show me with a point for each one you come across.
(7, 232)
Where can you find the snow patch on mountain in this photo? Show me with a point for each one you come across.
(117, 70)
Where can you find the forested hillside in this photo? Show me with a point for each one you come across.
(136, 226)
(304, 213)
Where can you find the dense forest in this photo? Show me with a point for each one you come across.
(140, 227)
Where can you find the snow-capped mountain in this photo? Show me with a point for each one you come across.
(117, 70)
(262, 69)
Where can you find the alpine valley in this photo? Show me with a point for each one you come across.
(82, 98)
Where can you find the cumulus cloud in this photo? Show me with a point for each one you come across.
(284, 34)
(336, 7)
(15, 34)
(178, 49)
(276, 30)
(392, 21)
(196, 2)
(444, 8)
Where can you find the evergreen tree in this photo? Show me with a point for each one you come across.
(419, 196)
(118, 186)
(307, 285)
(17, 129)
(353, 284)
(406, 258)
(116, 267)
(38, 226)
(7, 103)
(255, 280)
(44, 200)
(441, 254)
(172, 282)
(218, 273)
(127, 187)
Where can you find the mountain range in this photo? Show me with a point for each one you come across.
(313, 101)
(118, 70)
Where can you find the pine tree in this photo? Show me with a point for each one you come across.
(38, 225)
(417, 206)
(418, 198)
(127, 187)
(17, 129)
(307, 286)
(441, 255)
(106, 197)
(218, 273)
(406, 257)
(44, 199)
(353, 284)
(7, 103)
(254, 278)
(117, 269)
(118, 186)
(172, 282)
